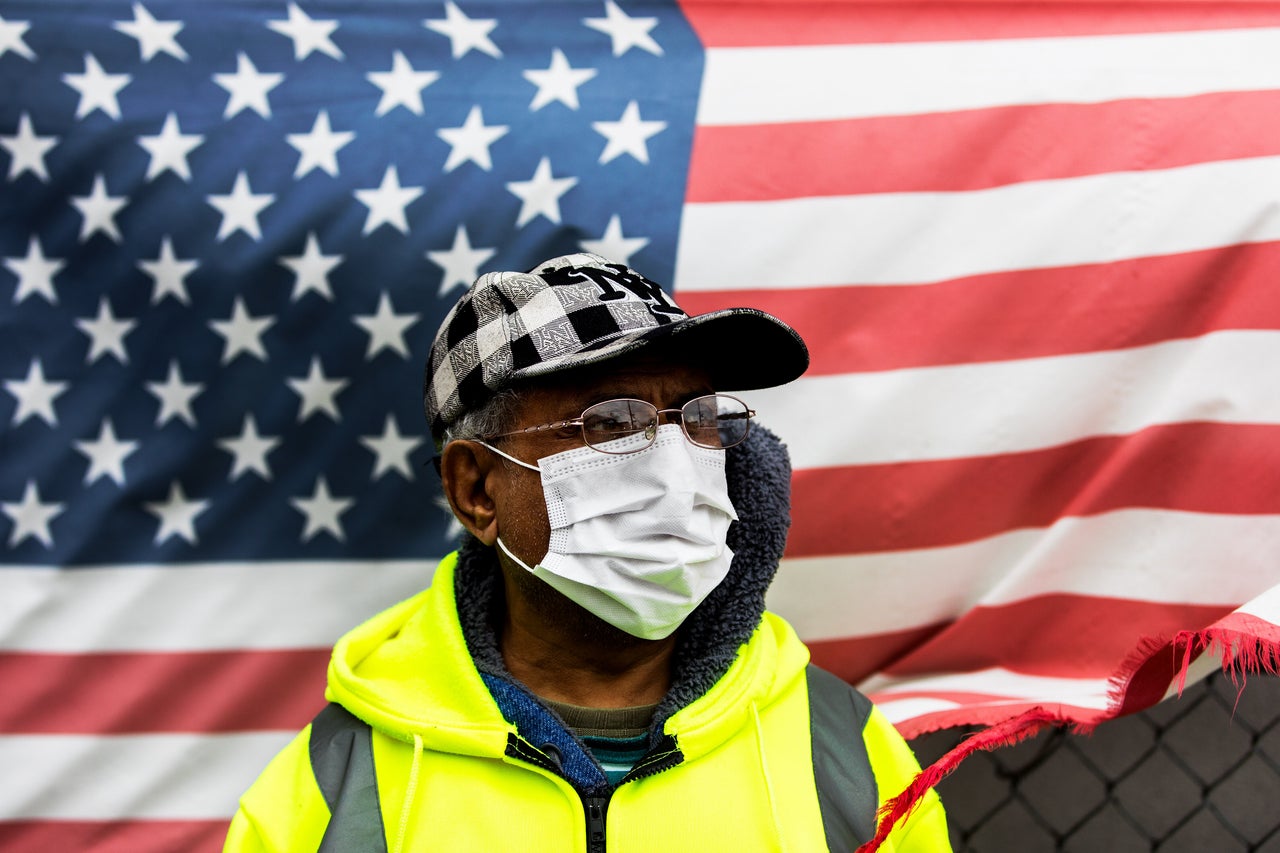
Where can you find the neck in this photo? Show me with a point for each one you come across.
(575, 658)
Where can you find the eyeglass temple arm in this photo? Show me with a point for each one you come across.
(557, 425)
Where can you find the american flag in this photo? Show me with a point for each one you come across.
(1033, 248)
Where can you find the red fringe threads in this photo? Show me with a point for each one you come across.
(1251, 646)
(1002, 734)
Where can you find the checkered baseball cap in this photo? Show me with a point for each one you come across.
(579, 310)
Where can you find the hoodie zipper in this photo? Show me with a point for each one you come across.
(663, 756)
(596, 808)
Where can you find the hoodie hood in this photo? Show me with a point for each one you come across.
(430, 666)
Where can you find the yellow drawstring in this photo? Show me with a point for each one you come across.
(409, 793)
(768, 782)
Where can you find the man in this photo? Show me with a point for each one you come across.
(593, 669)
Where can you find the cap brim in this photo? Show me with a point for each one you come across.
(741, 348)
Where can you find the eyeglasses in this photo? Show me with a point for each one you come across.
(716, 421)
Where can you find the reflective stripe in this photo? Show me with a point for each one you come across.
(341, 749)
(846, 785)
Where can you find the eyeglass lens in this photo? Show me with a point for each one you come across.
(715, 420)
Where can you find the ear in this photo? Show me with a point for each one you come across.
(464, 470)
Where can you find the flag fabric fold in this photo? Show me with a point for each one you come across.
(1033, 248)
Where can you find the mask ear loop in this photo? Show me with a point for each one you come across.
(502, 546)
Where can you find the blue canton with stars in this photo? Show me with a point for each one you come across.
(228, 232)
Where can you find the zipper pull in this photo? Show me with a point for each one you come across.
(595, 808)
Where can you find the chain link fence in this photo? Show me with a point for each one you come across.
(1199, 774)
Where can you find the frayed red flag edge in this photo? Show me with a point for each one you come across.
(1007, 733)
(1251, 645)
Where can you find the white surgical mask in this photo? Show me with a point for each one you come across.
(638, 539)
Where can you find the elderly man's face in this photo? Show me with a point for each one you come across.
(522, 511)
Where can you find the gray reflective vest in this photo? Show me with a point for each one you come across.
(341, 749)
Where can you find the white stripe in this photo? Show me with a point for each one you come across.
(1003, 407)
(197, 607)
(1003, 683)
(814, 83)
(157, 777)
(1138, 554)
(1267, 605)
(914, 708)
(923, 237)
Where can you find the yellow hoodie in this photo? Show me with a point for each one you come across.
(431, 746)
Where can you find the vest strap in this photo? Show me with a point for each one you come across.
(341, 749)
(847, 792)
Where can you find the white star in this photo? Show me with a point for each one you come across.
(613, 245)
(27, 150)
(169, 149)
(387, 202)
(248, 88)
(35, 395)
(177, 515)
(11, 33)
(35, 273)
(386, 328)
(461, 263)
(319, 148)
(175, 397)
(317, 392)
(153, 36)
(307, 34)
(311, 269)
(626, 32)
(106, 455)
(401, 86)
(240, 209)
(106, 334)
(560, 82)
(465, 33)
(31, 517)
(471, 141)
(250, 450)
(99, 211)
(97, 88)
(392, 450)
(322, 511)
(628, 135)
(169, 273)
(541, 193)
(242, 332)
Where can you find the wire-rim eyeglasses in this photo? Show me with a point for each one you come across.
(716, 421)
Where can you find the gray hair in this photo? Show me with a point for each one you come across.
(496, 415)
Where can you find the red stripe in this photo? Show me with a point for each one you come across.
(1249, 625)
(1195, 467)
(132, 693)
(1024, 313)
(977, 149)
(855, 658)
(141, 836)
(1030, 636)
(790, 22)
(1027, 636)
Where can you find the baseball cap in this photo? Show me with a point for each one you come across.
(579, 310)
